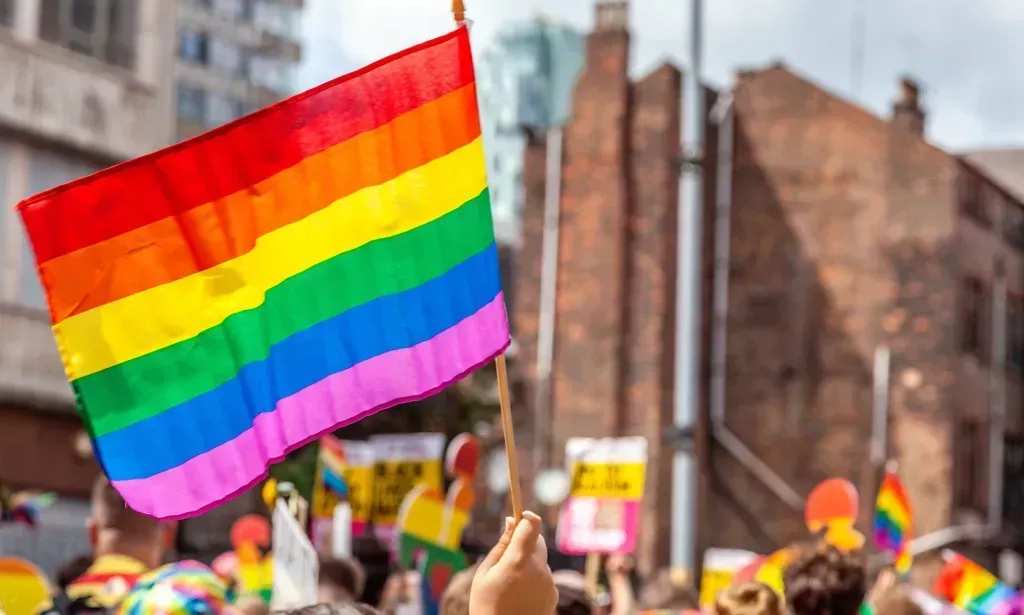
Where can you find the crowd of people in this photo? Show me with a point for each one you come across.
(514, 578)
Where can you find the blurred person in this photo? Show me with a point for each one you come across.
(126, 545)
(402, 589)
(333, 609)
(341, 581)
(896, 601)
(70, 571)
(666, 593)
(514, 578)
(751, 598)
(618, 568)
(573, 595)
(455, 599)
(826, 581)
(251, 605)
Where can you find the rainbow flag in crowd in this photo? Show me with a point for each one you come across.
(332, 465)
(894, 522)
(228, 299)
(970, 587)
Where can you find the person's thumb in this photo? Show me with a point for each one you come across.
(499, 549)
(524, 539)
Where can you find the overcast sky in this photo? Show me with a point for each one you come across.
(968, 55)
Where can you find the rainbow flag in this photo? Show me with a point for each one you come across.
(228, 299)
(332, 465)
(894, 522)
(970, 587)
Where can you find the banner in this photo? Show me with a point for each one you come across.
(401, 462)
(295, 563)
(357, 473)
(720, 568)
(602, 512)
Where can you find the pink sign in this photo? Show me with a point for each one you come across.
(591, 525)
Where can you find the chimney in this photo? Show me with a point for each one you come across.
(608, 44)
(907, 113)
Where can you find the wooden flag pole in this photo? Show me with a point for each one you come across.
(510, 437)
(459, 13)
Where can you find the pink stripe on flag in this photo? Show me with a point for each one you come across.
(384, 381)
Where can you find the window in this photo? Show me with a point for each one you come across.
(970, 469)
(970, 195)
(192, 103)
(1015, 336)
(194, 47)
(247, 10)
(1013, 223)
(103, 29)
(974, 319)
(1013, 480)
(6, 13)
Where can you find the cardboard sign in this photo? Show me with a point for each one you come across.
(357, 473)
(431, 523)
(295, 563)
(402, 462)
(602, 512)
(720, 569)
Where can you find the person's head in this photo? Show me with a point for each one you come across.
(573, 600)
(825, 581)
(251, 605)
(455, 599)
(116, 529)
(665, 593)
(749, 599)
(341, 581)
(897, 601)
(333, 609)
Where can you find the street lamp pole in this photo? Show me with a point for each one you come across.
(689, 286)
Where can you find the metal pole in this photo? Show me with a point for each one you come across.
(997, 403)
(548, 294)
(880, 420)
(688, 301)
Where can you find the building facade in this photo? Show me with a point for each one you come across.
(524, 85)
(85, 84)
(234, 57)
(850, 238)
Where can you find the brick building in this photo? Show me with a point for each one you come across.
(849, 233)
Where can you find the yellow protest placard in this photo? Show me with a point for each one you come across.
(619, 481)
(393, 480)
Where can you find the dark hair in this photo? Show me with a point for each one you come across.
(573, 601)
(346, 574)
(72, 570)
(333, 609)
(826, 581)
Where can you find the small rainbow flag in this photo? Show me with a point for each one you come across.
(894, 522)
(332, 465)
(970, 587)
(224, 301)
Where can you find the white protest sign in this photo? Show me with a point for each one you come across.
(341, 542)
(295, 563)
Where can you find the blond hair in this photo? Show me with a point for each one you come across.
(749, 599)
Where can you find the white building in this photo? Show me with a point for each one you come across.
(524, 82)
(234, 57)
(83, 84)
